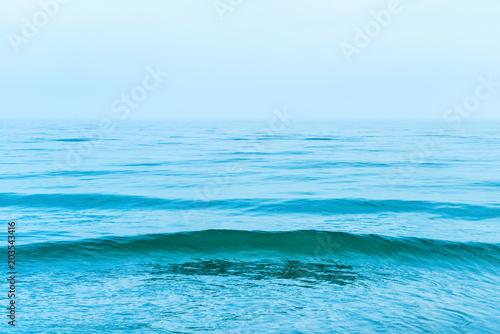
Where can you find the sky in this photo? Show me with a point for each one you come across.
(240, 59)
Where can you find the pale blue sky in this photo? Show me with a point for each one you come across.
(264, 54)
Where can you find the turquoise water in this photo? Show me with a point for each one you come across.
(240, 227)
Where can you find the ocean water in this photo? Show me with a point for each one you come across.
(243, 227)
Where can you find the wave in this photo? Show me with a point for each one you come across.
(489, 184)
(303, 243)
(253, 205)
(324, 138)
(75, 140)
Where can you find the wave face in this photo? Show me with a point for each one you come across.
(237, 228)
(302, 243)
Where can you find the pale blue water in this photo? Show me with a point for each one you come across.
(229, 227)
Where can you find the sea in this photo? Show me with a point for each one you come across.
(272, 226)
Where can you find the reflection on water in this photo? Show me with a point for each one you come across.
(325, 271)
